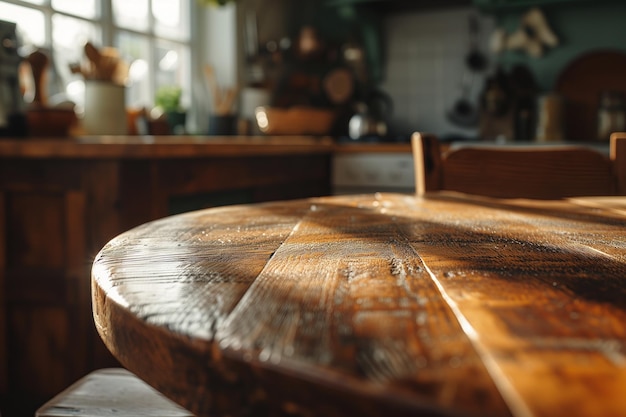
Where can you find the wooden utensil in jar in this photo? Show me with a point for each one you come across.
(92, 53)
(104, 63)
(38, 61)
(109, 59)
(223, 99)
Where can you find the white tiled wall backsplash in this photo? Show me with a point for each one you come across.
(425, 67)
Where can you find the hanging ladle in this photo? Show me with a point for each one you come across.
(475, 60)
(464, 113)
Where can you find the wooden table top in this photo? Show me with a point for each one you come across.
(375, 305)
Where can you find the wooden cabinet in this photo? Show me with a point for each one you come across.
(56, 213)
(47, 238)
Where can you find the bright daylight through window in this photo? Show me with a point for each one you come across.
(151, 36)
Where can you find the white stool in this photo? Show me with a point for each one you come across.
(111, 392)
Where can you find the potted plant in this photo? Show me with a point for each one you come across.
(168, 101)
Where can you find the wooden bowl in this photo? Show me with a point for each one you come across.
(294, 120)
(50, 122)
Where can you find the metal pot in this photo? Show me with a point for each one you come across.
(371, 116)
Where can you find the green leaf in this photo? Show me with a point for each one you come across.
(168, 98)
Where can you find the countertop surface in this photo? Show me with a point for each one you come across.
(182, 146)
(188, 146)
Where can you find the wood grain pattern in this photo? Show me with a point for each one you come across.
(374, 305)
(541, 171)
(528, 173)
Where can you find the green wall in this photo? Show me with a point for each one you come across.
(580, 27)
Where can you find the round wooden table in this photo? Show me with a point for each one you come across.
(375, 305)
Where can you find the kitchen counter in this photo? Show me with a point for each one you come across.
(61, 200)
(184, 146)
(163, 146)
(356, 148)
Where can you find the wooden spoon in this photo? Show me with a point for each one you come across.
(209, 72)
(95, 57)
(39, 63)
(109, 60)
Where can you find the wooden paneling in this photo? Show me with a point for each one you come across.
(47, 294)
(39, 350)
(57, 213)
(3, 311)
(34, 214)
(198, 175)
(77, 266)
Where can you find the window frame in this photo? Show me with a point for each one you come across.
(109, 30)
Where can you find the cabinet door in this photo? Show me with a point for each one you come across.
(3, 318)
(46, 293)
(54, 216)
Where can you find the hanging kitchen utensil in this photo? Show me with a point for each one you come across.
(475, 60)
(464, 112)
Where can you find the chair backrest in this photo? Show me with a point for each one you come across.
(537, 171)
(618, 158)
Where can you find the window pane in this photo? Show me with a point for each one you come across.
(83, 8)
(170, 17)
(134, 49)
(131, 14)
(69, 37)
(31, 27)
(172, 67)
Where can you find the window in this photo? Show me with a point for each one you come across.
(152, 36)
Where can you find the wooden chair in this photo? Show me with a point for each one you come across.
(112, 392)
(537, 171)
(618, 158)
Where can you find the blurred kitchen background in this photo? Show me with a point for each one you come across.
(503, 70)
(367, 73)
